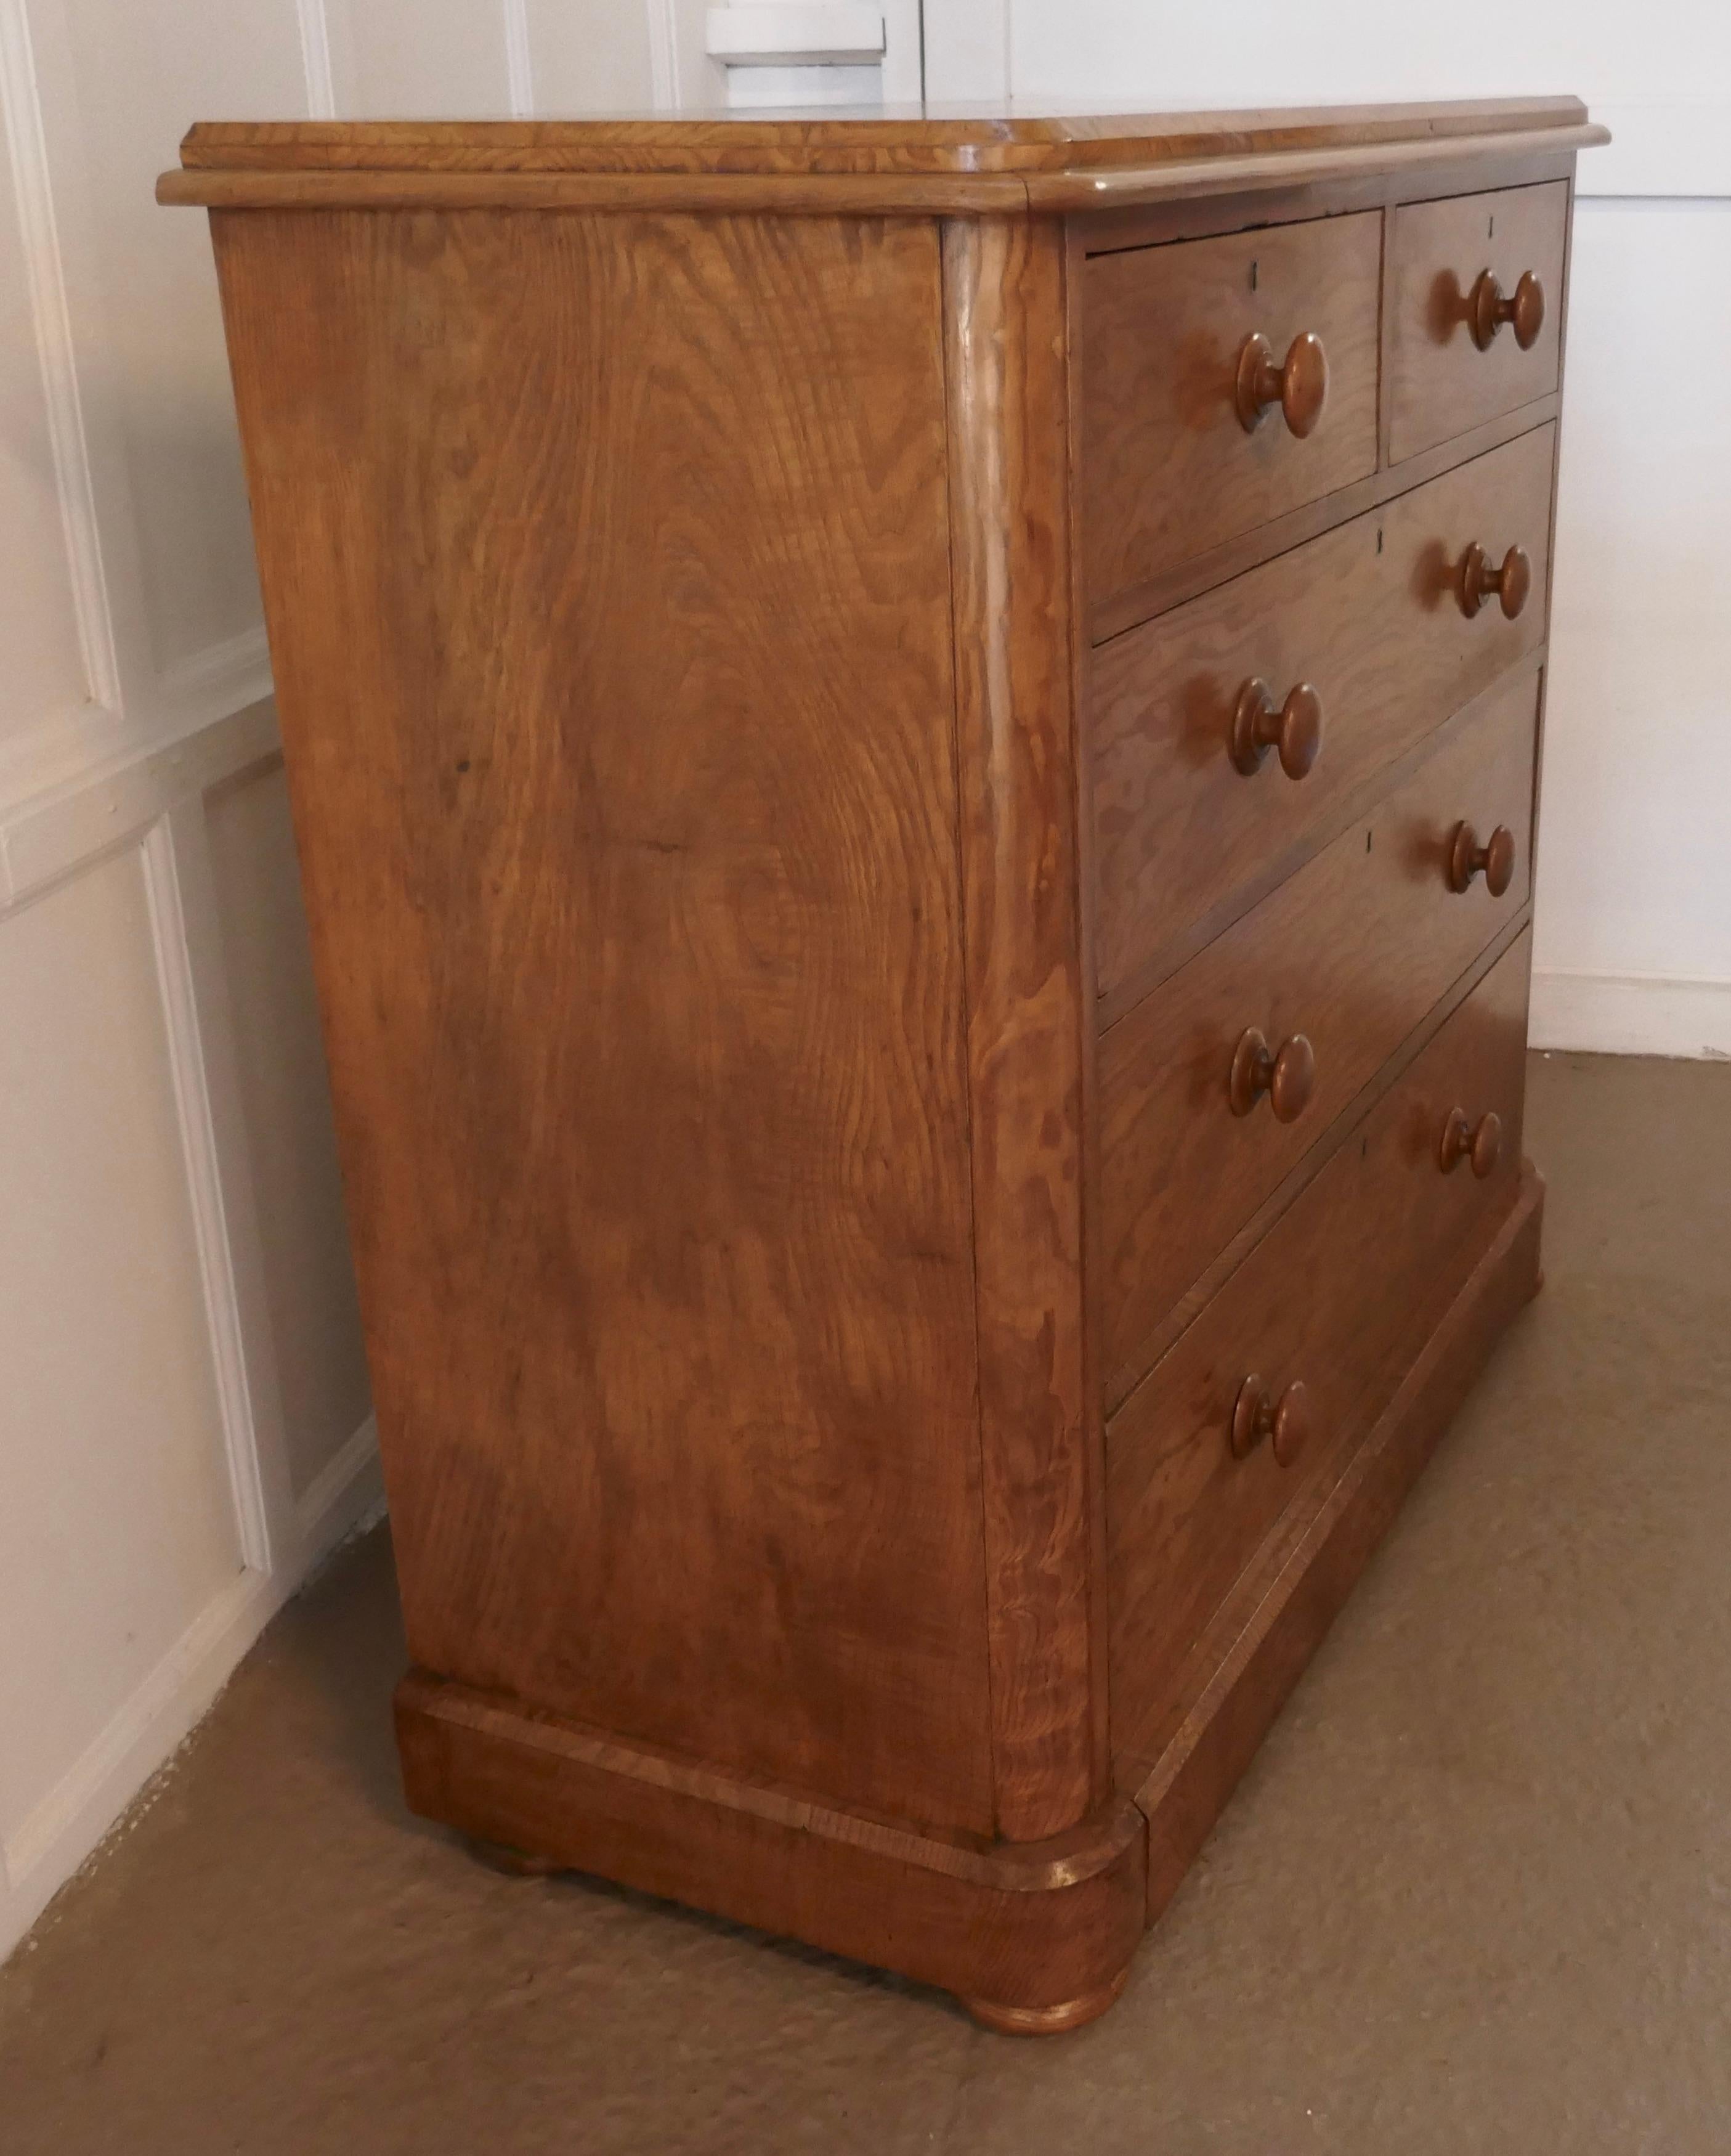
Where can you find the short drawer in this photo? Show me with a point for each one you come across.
(1371, 618)
(1338, 1298)
(1168, 467)
(1475, 310)
(1350, 954)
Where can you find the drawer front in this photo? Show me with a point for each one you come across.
(1168, 467)
(1338, 1296)
(1351, 952)
(1441, 382)
(1366, 617)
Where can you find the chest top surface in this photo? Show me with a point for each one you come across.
(959, 161)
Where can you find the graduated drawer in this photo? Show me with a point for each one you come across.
(1368, 616)
(1168, 467)
(1441, 380)
(1338, 1296)
(1351, 952)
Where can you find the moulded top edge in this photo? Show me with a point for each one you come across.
(914, 140)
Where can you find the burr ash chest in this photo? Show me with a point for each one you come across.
(913, 745)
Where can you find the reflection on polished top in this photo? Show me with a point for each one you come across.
(935, 157)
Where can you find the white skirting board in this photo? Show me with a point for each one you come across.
(1631, 1014)
(91, 1798)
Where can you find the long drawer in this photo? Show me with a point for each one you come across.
(1364, 616)
(1350, 954)
(1169, 468)
(1336, 1297)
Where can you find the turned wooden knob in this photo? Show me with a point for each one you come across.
(1479, 1142)
(1287, 1078)
(1256, 1414)
(1300, 387)
(1494, 859)
(1295, 729)
(1511, 584)
(1487, 309)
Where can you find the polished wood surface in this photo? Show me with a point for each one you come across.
(1351, 952)
(1294, 730)
(1323, 1301)
(1478, 1143)
(1489, 309)
(1285, 1424)
(1044, 1928)
(1282, 1606)
(824, 141)
(1494, 861)
(1441, 380)
(627, 822)
(1367, 617)
(916, 823)
(1028, 1024)
(1510, 582)
(1298, 386)
(1168, 467)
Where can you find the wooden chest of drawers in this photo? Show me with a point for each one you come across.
(913, 745)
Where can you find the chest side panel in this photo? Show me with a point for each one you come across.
(606, 570)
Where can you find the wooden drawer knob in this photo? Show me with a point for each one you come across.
(1295, 729)
(1300, 387)
(1511, 584)
(1487, 309)
(1494, 859)
(1287, 1078)
(1257, 1416)
(1479, 1142)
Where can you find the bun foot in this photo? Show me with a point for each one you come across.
(517, 1863)
(1047, 2021)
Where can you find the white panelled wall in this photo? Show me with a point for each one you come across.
(1632, 930)
(184, 1422)
(183, 1417)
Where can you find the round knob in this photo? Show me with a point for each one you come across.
(1295, 729)
(1495, 857)
(1479, 1142)
(1287, 1078)
(1257, 1416)
(1300, 387)
(1487, 309)
(1511, 584)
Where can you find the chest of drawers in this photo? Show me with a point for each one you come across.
(913, 747)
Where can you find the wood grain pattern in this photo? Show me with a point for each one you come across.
(1424, 162)
(987, 139)
(1334, 1297)
(1292, 1598)
(1218, 565)
(776, 194)
(1168, 467)
(1366, 615)
(719, 801)
(1351, 952)
(1439, 382)
(1029, 1929)
(625, 795)
(1028, 1020)
(895, 166)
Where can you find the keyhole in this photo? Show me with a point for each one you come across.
(1368, 836)
(1254, 267)
(1491, 229)
(1379, 538)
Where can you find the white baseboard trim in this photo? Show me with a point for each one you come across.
(1631, 1014)
(91, 1798)
(344, 1489)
